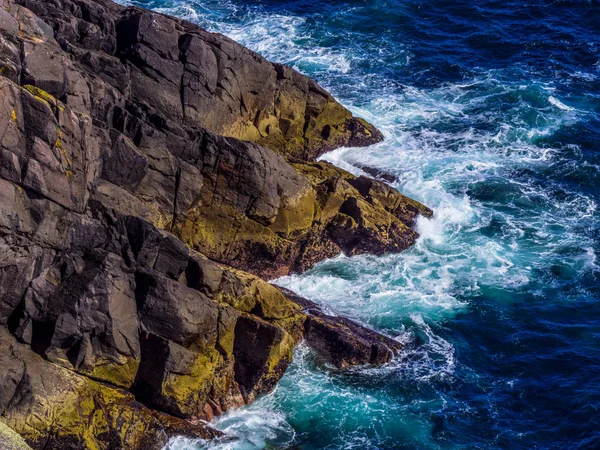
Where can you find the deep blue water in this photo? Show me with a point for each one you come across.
(491, 112)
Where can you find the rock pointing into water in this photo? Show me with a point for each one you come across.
(341, 341)
(150, 174)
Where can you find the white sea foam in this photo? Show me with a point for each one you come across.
(406, 294)
(559, 104)
(278, 37)
(244, 429)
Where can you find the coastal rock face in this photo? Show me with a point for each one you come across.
(10, 440)
(120, 126)
(275, 225)
(150, 172)
(110, 117)
(234, 201)
(196, 78)
(54, 408)
(219, 85)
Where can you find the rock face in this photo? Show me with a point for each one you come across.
(126, 106)
(150, 173)
(54, 408)
(191, 76)
(9, 440)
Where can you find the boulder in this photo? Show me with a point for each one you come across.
(341, 341)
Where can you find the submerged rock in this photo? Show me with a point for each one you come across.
(150, 172)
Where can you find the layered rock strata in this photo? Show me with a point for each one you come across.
(150, 173)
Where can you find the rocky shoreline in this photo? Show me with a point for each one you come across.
(152, 176)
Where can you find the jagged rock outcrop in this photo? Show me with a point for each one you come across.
(103, 96)
(135, 221)
(341, 341)
(193, 77)
(122, 292)
(54, 408)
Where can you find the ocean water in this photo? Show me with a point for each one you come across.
(491, 116)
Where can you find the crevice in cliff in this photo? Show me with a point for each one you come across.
(175, 198)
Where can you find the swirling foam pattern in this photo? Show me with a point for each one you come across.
(491, 112)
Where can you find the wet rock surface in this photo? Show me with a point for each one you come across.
(150, 173)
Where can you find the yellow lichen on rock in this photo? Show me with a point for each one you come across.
(188, 392)
(280, 353)
(252, 294)
(120, 374)
(62, 406)
(224, 234)
(43, 96)
(295, 216)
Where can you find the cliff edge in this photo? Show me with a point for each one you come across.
(152, 174)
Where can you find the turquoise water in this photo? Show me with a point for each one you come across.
(491, 113)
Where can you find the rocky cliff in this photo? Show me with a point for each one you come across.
(152, 174)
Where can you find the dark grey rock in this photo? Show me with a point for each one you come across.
(341, 341)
